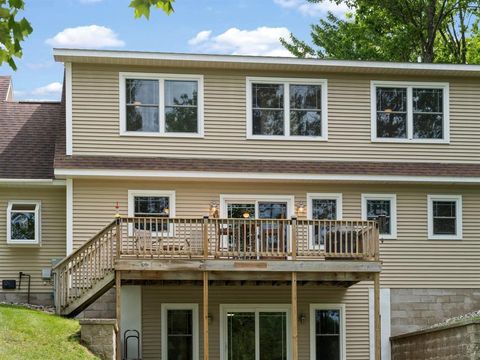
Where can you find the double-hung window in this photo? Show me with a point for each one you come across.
(327, 332)
(444, 217)
(383, 208)
(286, 109)
(180, 331)
(23, 222)
(412, 112)
(322, 206)
(161, 105)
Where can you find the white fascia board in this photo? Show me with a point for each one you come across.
(95, 173)
(145, 55)
(33, 182)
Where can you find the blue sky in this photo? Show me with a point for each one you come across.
(201, 26)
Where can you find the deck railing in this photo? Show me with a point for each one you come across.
(247, 238)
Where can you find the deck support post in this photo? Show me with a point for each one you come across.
(205, 315)
(294, 317)
(377, 318)
(118, 284)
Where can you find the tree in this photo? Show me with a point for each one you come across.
(14, 31)
(396, 30)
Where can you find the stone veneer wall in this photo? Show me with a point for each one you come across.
(458, 341)
(415, 309)
(102, 308)
(44, 299)
(99, 336)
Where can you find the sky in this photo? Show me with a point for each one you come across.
(243, 27)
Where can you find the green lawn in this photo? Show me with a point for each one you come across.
(30, 334)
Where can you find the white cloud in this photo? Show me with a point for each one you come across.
(315, 10)
(200, 37)
(54, 88)
(91, 36)
(261, 41)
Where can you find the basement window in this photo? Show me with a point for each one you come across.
(23, 222)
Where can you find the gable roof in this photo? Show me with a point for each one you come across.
(29, 132)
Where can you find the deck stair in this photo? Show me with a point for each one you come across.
(86, 274)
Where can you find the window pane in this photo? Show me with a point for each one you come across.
(273, 335)
(267, 96)
(181, 119)
(180, 93)
(327, 347)
(26, 207)
(151, 205)
(324, 209)
(180, 334)
(241, 335)
(444, 208)
(391, 99)
(327, 322)
(142, 118)
(427, 126)
(377, 208)
(428, 100)
(22, 226)
(142, 92)
(442, 226)
(268, 122)
(391, 125)
(236, 211)
(272, 210)
(305, 123)
(306, 97)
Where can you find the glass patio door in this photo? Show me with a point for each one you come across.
(256, 334)
(268, 236)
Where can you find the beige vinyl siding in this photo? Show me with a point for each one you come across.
(96, 120)
(355, 299)
(32, 258)
(411, 260)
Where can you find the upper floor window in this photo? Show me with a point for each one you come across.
(413, 112)
(23, 222)
(163, 104)
(286, 108)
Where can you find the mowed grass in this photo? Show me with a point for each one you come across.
(30, 334)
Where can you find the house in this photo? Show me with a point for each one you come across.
(273, 207)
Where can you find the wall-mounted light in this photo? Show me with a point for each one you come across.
(214, 209)
(210, 318)
(301, 208)
(117, 210)
(301, 318)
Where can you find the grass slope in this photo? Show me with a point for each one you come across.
(31, 334)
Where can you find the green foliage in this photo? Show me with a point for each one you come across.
(142, 7)
(396, 30)
(35, 335)
(12, 31)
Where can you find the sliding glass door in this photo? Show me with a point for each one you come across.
(255, 333)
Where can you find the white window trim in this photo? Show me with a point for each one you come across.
(123, 76)
(167, 193)
(225, 198)
(393, 210)
(38, 220)
(286, 107)
(324, 196)
(343, 345)
(194, 308)
(459, 218)
(410, 85)
(225, 308)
